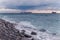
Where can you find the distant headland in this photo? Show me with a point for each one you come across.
(32, 12)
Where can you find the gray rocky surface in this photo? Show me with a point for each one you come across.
(8, 31)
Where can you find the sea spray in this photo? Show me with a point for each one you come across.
(28, 27)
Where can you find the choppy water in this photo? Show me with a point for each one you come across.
(50, 22)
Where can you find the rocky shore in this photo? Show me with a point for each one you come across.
(8, 32)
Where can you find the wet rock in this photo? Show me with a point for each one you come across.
(33, 33)
(27, 36)
(32, 39)
(23, 32)
(42, 30)
(53, 33)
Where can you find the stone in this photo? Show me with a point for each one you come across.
(8, 31)
(32, 39)
(42, 30)
(53, 33)
(33, 33)
(27, 36)
(23, 32)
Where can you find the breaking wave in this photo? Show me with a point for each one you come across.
(29, 27)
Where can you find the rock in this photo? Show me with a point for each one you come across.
(53, 33)
(32, 39)
(33, 33)
(8, 31)
(42, 30)
(27, 36)
(23, 32)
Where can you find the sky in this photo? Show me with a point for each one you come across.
(30, 4)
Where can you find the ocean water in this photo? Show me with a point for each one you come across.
(49, 22)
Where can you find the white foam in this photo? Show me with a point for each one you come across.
(24, 25)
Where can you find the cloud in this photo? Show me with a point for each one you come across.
(30, 4)
(3, 10)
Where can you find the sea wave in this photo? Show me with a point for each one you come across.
(29, 27)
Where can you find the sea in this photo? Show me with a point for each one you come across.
(49, 22)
